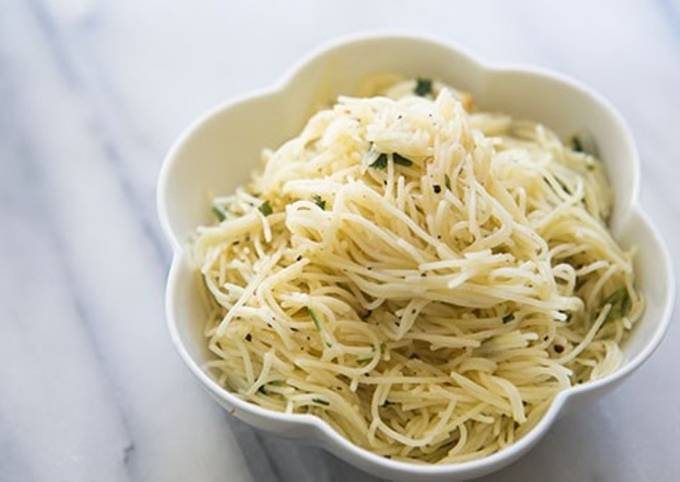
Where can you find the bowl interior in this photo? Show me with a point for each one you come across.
(220, 151)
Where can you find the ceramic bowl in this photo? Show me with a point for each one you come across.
(217, 152)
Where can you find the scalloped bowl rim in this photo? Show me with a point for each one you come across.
(471, 468)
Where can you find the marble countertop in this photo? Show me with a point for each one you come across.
(91, 96)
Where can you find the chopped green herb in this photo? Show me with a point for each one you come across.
(365, 361)
(320, 401)
(315, 319)
(447, 181)
(265, 208)
(318, 323)
(423, 86)
(576, 144)
(508, 318)
(277, 383)
(218, 213)
(590, 167)
(382, 347)
(620, 304)
(401, 160)
(319, 201)
(380, 162)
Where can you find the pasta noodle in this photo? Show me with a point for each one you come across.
(422, 276)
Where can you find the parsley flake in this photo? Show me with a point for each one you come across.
(319, 201)
(620, 304)
(423, 87)
(401, 160)
(218, 214)
(265, 208)
(380, 162)
(576, 144)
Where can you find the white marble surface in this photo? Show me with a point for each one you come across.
(93, 93)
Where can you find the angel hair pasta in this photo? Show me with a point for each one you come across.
(422, 276)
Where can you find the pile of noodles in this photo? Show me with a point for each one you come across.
(423, 277)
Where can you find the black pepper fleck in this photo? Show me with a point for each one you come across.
(437, 188)
(559, 348)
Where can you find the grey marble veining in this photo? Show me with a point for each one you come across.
(93, 93)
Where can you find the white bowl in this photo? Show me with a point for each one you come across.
(219, 150)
